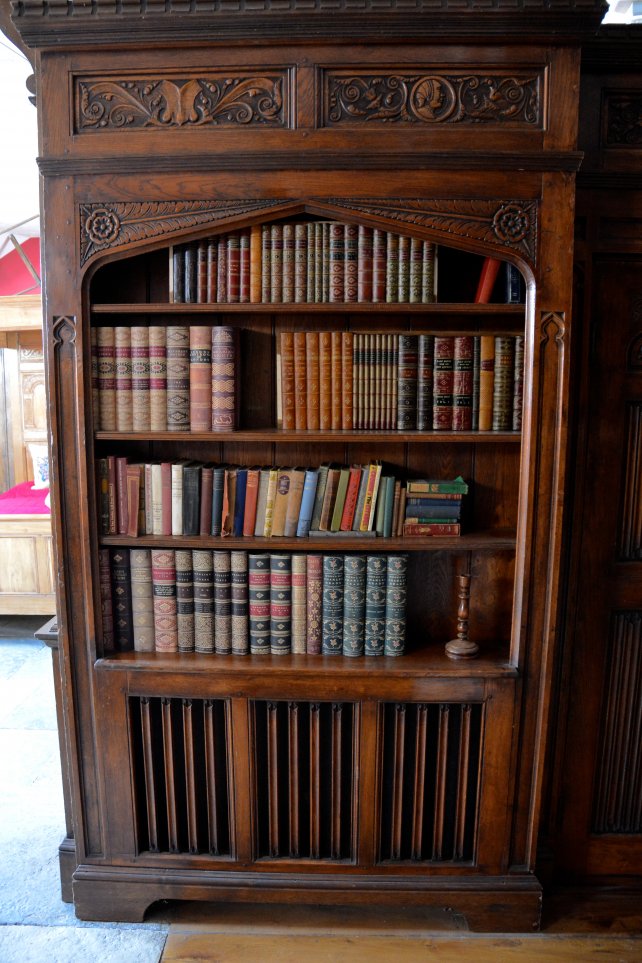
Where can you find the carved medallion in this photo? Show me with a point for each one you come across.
(414, 98)
(218, 99)
(623, 111)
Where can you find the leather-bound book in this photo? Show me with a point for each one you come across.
(300, 263)
(503, 385)
(310, 264)
(352, 493)
(288, 264)
(106, 351)
(229, 501)
(337, 263)
(340, 500)
(178, 371)
(141, 414)
(177, 274)
(123, 385)
(379, 265)
(300, 382)
(337, 384)
(347, 339)
(166, 497)
(429, 273)
(281, 604)
(269, 502)
(325, 380)
(487, 277)
(364, 264)
(351, 262)
(251, 501)
(304, 521)
(255, 264)
(392, 267)
(225, 386)
(425, 361)
(218, 485)
(201, 272)
(293, 508)
(261, 501)
(239, 603)
(463, 383)
(415, 271)
(207, 486)
(276, 263)
(329, 498)
(244, 280)
(395, 613)
(354, 604)
(121, 599)
(259, 602)
(184, 600)
(266, 263)
(281, 499)
(407, 382)
(312, 380)
(367, 378)
(142, 599)
(239, 502)
(377, 382)
(95, 390)
(439, 529)
(318, 263)
(222, 603)
(390, 391)
(443, 382)
(393, 357)
(476, 373)
(518, 383)
(158, 377)
(403, 283)
(375, 607)
(361, 498)
(332, 605)
(203, 576)
(314, 596)
(164, 588)
(288, 392)
(317, 508)
(221, 269)
(233, 268)
(212, 270)
(106, 605)
(299, 604)
(357, 380)
(133, 475)
(102, 493)
(325, 261)
(190, 276)
(122, 517)
(191, 507)
(486, 381)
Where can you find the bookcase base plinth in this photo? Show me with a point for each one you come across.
(508, 904)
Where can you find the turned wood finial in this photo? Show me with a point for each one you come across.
(462, 647)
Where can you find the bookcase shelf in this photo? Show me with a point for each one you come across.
(514, 311)
(276, 436)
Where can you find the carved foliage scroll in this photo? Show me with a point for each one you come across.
(419, 98)
(220, 99)
(622, 111)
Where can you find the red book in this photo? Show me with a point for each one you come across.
(463, 383)
(207, 481)
(487, 278)
(251, 497)
(200, 377)
(166, 498)
(351, 499)
(288, 403)
(300, 382)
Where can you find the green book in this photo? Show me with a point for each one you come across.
(340, 500)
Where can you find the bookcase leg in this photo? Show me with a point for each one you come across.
(67, 863)
(117, 902)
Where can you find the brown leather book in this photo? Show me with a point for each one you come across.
(122, 518)
(392, 267)
(357, 380)
(300, 263)
(329, 499)
(276, 263)
(244, 265)
(178, 365)
(255, 264)
(233, 268)
(266, 258)
(106, 351)
(297, 477)
(325, 380)
(443, 382)
(251, 501)
(123, 361)
(140, 378)
(288, 263)
(158, 377)
(364, 264)
(350, 262)
(288, 396)
(503, 386)
(221, 269)
(300, 382)
(200, 377)
(429, 273)
(347, 339)
(486, 381)
(164, 592)
(225, 385)
(133, 475)
(415, 271)
(337, 386)
(212, 270)
(403, 292)
(379, 260)
(201, 272)
(337, 264)
(463, 383)
(312, 379)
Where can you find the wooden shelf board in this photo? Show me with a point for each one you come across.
(478, 541)
(345, 307)
(313, 437)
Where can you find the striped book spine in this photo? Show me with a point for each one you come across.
(157, 377)
(203, 575)
(314, 596)
(351, 262)
(141, 414)
(375, 607)
(443, 383)
(299, 604)
(518, 383)
(288, 263)
(403, 294)
(395, 609)
(300, 263)
(184, 600)
(221, 269)
(503, 384)
(337, 266)
(332, 605)
(164, 587)
(407, 382)
(364, 264)
(318, 263)
(106, 604)
(486, 381)
(280, 604)
(425, 360)
(463, 383)
(178, 369)
(106, 351)
(239, 603)
(276, 263)
(123, 383)
(224, 379)
(325, 261)
(259, 603)
(354, 601)
(392, 267)
(119, 559)
(222, 603)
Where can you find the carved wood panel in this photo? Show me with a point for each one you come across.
(622, 118)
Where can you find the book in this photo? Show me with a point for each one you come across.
(259, 602)
(270, 496)
(239, 592)
(329, 498)
(184, 600)
(261, 501)
(218, 485)
(203, 579)
(266, 263)
(178, 372)
(239, 502)
(164, 593)
(337, 264)
(200, 378)
(486, 381)
(370, 499)
(191, 514)
(325, 380)
(307, 503)
(229, 499)
(233, 268)
(312, 380)
(299, 604)
(350, 262)
(518, 383)
(106, 351)
(487, 277)
(221, 269)
(222, 603)
(339, 501)
(395, 608)
(201, 272)
(276, 263)
(122, 516)
(347, 418)
(407, 375)
(106, 604)
(375, 605)
(429, 273)
(288, 263)
(288, 388)
(422, 486)
(364, 264)
(255, 263)
(121, 601)
(354, 601)
(141, 414)
(443, 377)
(207, 486)
(251, 500)
(322, 480)
(336, 404)
(503, 383)
(280, 604)
(425, 361)
(352, 493)
(293, 507)
(123, 378)
(462, 414)
(133, 479)
(332, 605)
(300, 381)
(314, 594)
(225, 387)
(157, 377)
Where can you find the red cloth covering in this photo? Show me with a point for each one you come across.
(23, 500)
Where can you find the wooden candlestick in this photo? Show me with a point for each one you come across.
(462, 647)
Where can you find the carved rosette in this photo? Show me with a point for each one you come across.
(217, 99)
(623, 110)
(111, 225)
(418, 98)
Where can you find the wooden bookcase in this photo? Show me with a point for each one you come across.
(303, 778)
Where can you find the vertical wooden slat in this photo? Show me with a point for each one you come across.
(633, 814)
(462, 782)
(440, 787)
(419, 787)
(150, 776)
(335, 767)
(397, 781)
(606, 761)
(190, 776)
(211, 778)
(617, 683)
(170, 780)
(241, 779)
(368, 737)
(273, 778)
(315, 781)
(294, 777)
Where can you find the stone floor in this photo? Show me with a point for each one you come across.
(35, 925)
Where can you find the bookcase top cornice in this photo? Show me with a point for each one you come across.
(87, 23)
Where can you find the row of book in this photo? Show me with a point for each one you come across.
(308, 262)
(189, 498)
(165, 378)
(330, 380)
(239, 603)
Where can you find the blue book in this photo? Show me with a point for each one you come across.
(354, 601)
(332, 605)
(218, 479)
(239, 503)
(395, 610)
(375, 608)
(389, 506)
(307, 503)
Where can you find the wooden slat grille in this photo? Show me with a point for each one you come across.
(181, 778)
(429, 781)
(618, 786)
(304, 792)
(631, 520)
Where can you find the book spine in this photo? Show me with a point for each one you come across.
(299, 604)
(221, 269)
(354, 604)
(293, 508)
(122, 518)
(239, 502)
(244, 267)
(141, 414)
(288, 263)
(340, 500)
(364, 261)
(225, 388)
(156, 500)
(123, 382)
(425, 361)
(361, 498)
(288, 381)
(266, 264)
(251, 500)
(319, 497)
(337, 265)
(300, 263)
(229, 493)
(314, 595)
(379, 265)
(375, 605)
(222, 603)
(403, 282)
(442, 488)
(486, 381)
(106, 353)
(350, 504)
(392, 267)
(503, 384)
(307, 503)
(106, 605)
(178, 369)
(407, 383)
(218, 483)
(121, 599)
(337, 386)
(95, 389)
(259, 603)
(233, 268)
(332, 605)
(391, 487)
(325, 262)
(429, 273)
(325, 380)
(281, 499)
(513, 284)
(351, 262)
(201, 272)
(329, 498)
(280, 604)
(518, 383)
(158, 377)
(462, 417)
(177, 266)
(438, 529)
(102, 488)
(300, 382)
(164, 588)
(395, 612)
(203, 576)
(190, 507)
(132, 477)
(276, 263)
(310, 266)
(239, 603)
(184, 600)
(415, 271)
(207, 483)
(166, 498)
(476, 370)
(318, 263)
(372, 487)
(347, 417)
(312, 379)
(255, 264)
(190, 269)
(212, 270)
(487, 278)
(269, 502)
(443, 383)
